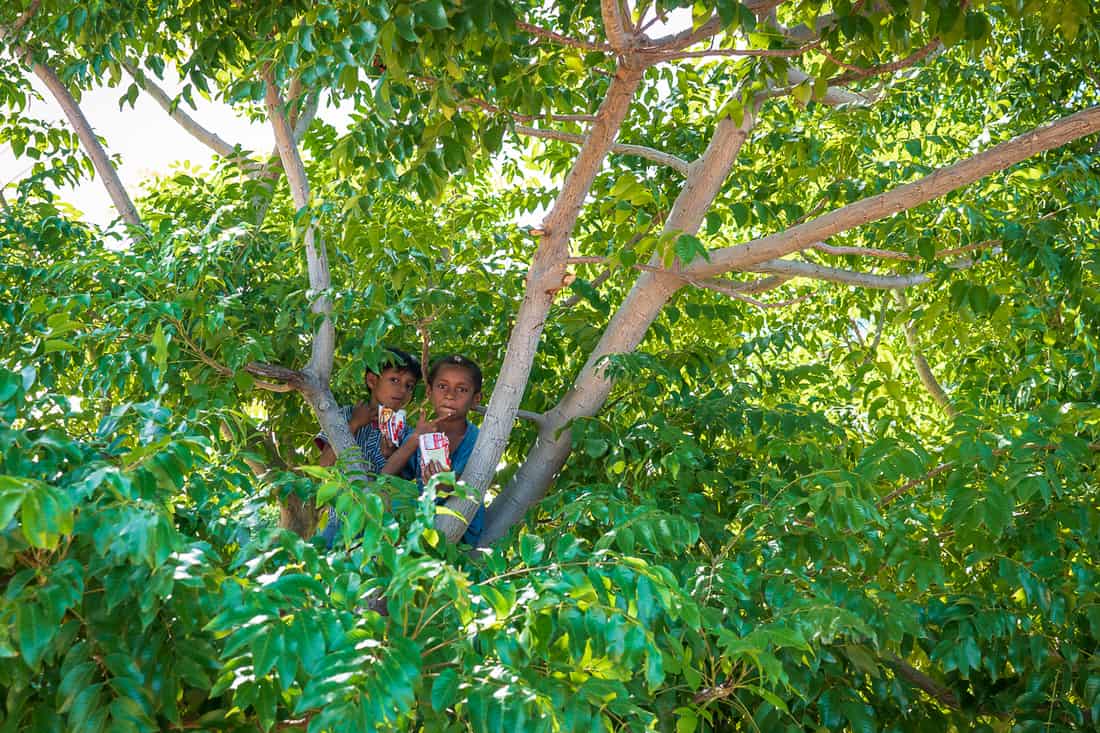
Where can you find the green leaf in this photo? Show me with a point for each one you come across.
(33, 631)
(532, 549)
(445, 690)
(433, 14)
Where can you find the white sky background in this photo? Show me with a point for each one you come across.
(150, 143)
(147, 139)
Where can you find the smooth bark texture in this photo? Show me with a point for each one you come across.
(924, 371)
(107, 173)
(634, 317)
(657, 156)
(628, 326)
(316, 375)
(207, 137)
(545, 278)
(908, 196)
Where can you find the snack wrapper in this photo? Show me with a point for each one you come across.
(434, 448)
(392, 423)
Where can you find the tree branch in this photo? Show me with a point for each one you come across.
(545, 277)
(103, 166)
(293, 378)
(641, 151)
(796, 268)
(221, 369)
(21, 21)
(738, 293)
(916, 57)
(492, 108)
(324, 343)
(614, 26)
(623, 333)
(834, 96)
(781, 53)
(208, 138)
(550, 35)
(318, 372)
(918, 679)
(535, 417)
(924, 371)
(745, 256)
(597, 281)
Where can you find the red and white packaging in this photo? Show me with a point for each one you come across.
(434, 448)
(392, 423)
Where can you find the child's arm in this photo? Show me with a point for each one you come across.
(400, 457)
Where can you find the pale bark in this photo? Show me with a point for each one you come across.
(207, 137)
(545, 277)
(943, 181)
(834, 96)
(560, 39)
(796, 268)
(314, 384)
(924, 371)
(623, 334)
(103, 166)
(657, 156)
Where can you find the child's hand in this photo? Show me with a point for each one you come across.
(423, 427)
(386, 446)
(360, 417)
(432, 468)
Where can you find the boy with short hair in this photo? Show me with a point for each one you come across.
(454, 388)
(391, 386)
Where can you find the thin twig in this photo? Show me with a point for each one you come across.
(536, 417)
(550, 35)
(482, 104)
(913, 58)
(657, 156)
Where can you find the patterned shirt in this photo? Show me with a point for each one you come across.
(368, 438)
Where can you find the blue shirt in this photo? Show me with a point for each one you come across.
(459, 456)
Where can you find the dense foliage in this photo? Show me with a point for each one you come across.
(772, 525)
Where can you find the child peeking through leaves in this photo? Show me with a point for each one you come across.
(376, 425)
(454, 388)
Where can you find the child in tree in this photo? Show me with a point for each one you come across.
(454, 388)
(392, 386)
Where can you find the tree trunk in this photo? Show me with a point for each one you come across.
(545, 278)
(623, 334)
(107, 173)
(316, 375)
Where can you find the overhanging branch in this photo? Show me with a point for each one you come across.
(563, 40)
(745, 256)
(207, 137)
(657, 156)
(103, 166)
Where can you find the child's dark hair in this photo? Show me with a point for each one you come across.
(397, 359)
(457, 360)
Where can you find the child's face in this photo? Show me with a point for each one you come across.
(392, 388)
(453, 393)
